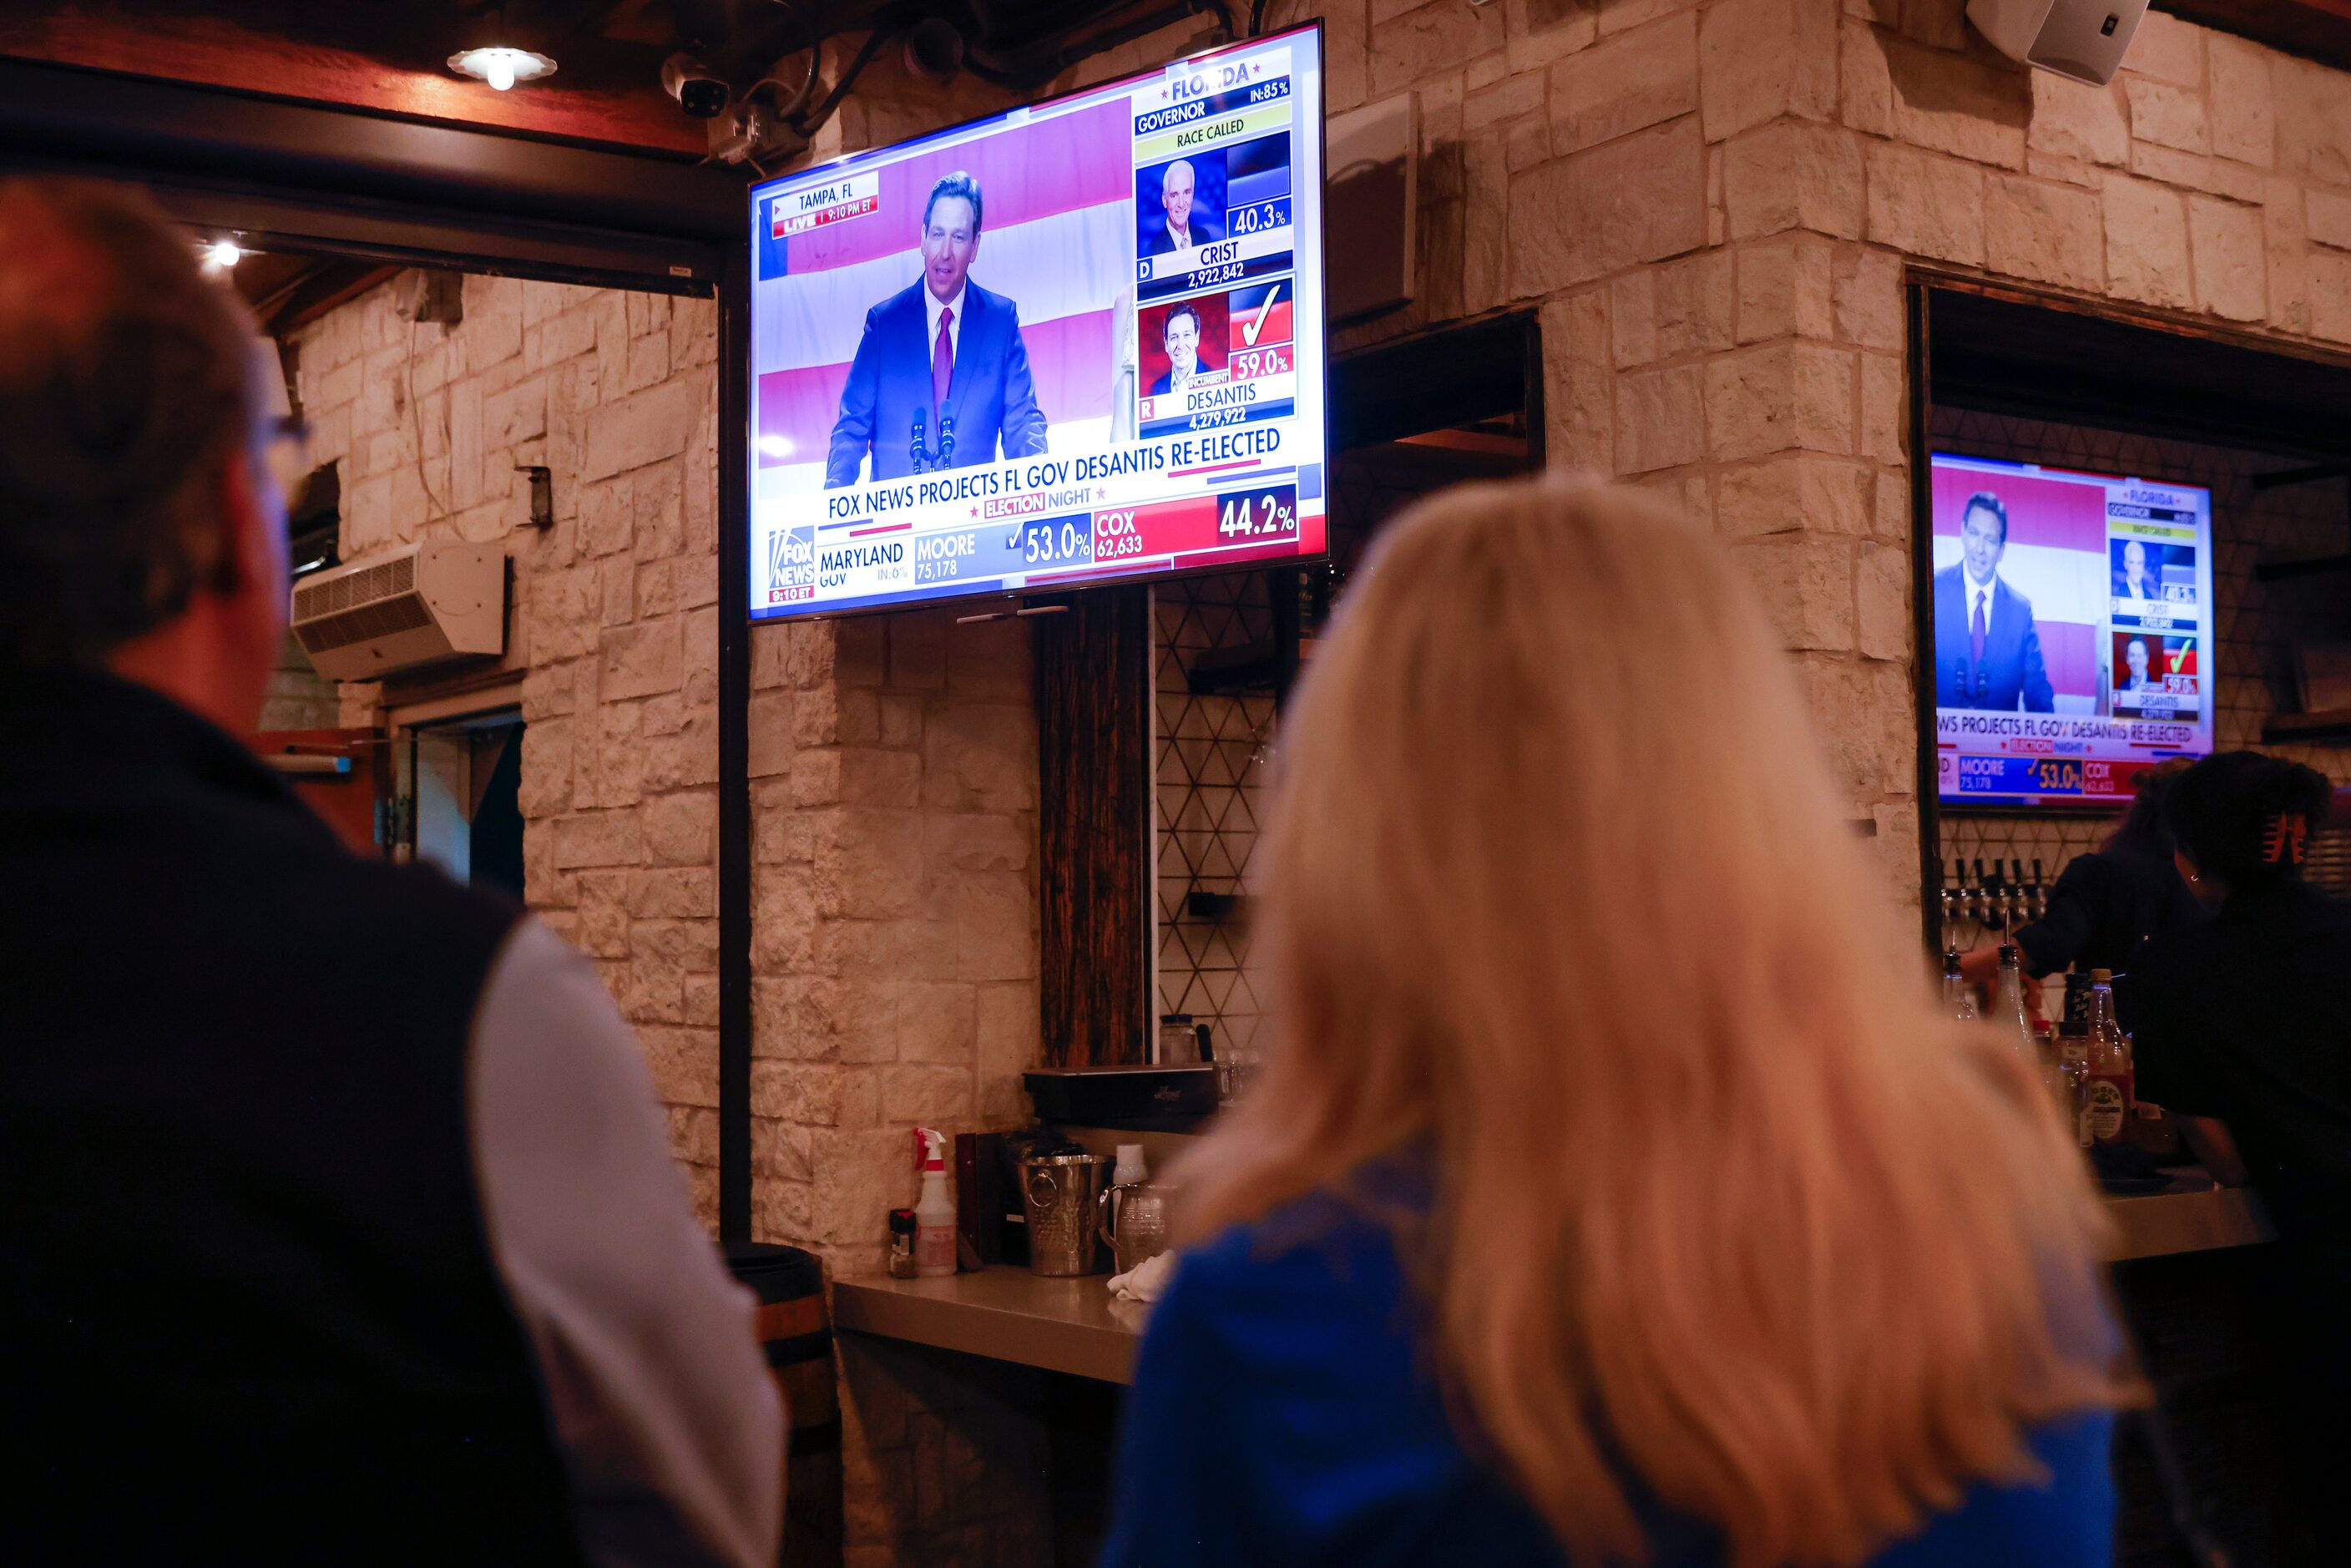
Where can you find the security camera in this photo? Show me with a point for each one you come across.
(699, 90)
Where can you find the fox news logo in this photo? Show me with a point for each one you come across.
(791, 564)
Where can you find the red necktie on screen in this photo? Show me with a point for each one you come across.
(1976, 631)
(942, 363)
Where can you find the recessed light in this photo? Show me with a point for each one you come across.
(501, 65)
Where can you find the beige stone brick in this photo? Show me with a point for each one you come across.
(2314, 121)
(1864, 81)
(1624, 84)
(2048, 233)
(979, 840)
(682, 829)
(2326, 218)
(938, 1021)
(1506, 99)
(2288, 250)
(1697, 304)
(638, 661)
(1540, 31)
(1346, 49)
(1957, 104)
(2244, 126)
(1925, 205)
(2168, 50)
(546, 785)
(770, 736)
(2074, 120)
(1429, 39)
(1765, 58)
(1882, 597)
(607, 519)
(1793, 175)
(1862, 715)
(1633, 313)
(1485, 227)
(2225, 244)
(1638, 198)
(2167, 115)
(1805, 584)
(673, 892)
(1660, 419)
(600, 839)
(1787, 288)
(980, 759)
(1779, 396)
(2238, 182)
(995, 915)
(1869, 309)
(1579, 382)
(646, 427)
(868, 864)
(1528, 143)
(1484, 72)
(2330, 296)
(685, 1064)
(2147, 242)
(1939, 24)
(1884, 421)
(1624, 15)
(2069, 171)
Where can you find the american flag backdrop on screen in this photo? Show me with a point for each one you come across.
(2056, 557)
(1057, 238)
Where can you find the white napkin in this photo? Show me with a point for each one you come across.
(1145, 1281)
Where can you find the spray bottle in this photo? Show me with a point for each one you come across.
(935, 1212)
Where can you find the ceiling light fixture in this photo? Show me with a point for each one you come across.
(221, 255)
(501, 65)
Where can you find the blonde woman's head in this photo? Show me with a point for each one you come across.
(1559, 891)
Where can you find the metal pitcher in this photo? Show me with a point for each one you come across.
(1135, 1223)
(1060, 1194)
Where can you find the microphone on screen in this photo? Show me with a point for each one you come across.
(947, 438)
(918, 437)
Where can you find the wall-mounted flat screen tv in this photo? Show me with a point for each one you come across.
(2074, 624)
(1080, 342)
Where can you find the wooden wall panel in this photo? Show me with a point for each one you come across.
(1093, 691)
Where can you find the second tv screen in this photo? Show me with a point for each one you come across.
(1080, 340)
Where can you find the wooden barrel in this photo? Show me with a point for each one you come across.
(797, 1334)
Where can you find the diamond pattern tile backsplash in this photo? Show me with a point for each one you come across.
(2259, 621)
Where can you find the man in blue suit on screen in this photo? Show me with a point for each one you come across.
(941, 377)
(1986, 650)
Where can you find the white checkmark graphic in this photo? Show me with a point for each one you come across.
(1257, 323)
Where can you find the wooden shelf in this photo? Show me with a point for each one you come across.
(2309, 728)
(2308, 566)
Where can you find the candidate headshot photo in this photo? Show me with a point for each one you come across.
(1987, 647)
(1179, 204)
(1183, 342)
(2141, 668)
(2142, 570)
(941, 377)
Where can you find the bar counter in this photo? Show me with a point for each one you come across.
(1073, 1325)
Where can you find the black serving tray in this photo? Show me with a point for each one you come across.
(1125, 1099)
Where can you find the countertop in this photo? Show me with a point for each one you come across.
(1072, 1326)
(1004, 1313)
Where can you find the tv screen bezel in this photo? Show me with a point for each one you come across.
(1007, 601)
(1954, 805)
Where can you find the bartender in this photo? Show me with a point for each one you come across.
(2244, 1022)
(2108, 903)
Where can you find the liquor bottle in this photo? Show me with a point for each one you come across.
(2008, 1006)
(2109, 1080)
(1958, 997)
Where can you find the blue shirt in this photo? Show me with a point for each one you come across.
(1283, 1412)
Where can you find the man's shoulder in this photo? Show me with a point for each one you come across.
(907, 298)
(2003, 588)
(980, 303)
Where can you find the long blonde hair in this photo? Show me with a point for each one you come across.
(1559, 892)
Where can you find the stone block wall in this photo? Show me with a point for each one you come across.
(612, 620)
(894, 763)
(1712, 204)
